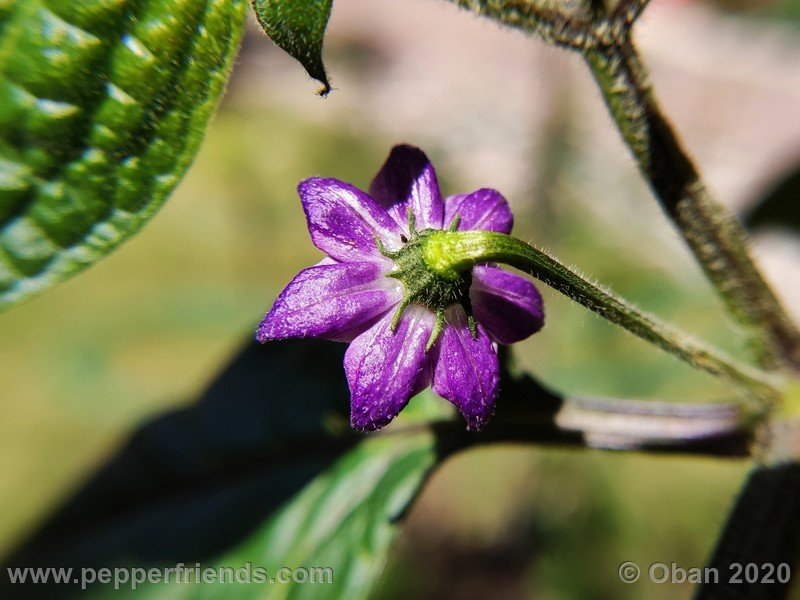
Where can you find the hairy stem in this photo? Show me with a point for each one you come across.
(714, 235)
(553, 26)
(449, 253)
(627, 11)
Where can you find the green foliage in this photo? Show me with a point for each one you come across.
(103, 104)
(344, 520)
(298, 26)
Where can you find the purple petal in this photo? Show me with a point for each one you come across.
(385, 369)
(509, 306)
(408, 179)
(332, 301)
(483, 209)
(344, 222)
(467, 371)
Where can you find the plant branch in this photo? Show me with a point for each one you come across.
(626, 12)
(717, 240)
(553, 26)
(632, 425)
(715, 237)
(622, 424)
(531, 414)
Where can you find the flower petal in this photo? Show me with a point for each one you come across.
(467, 370)
(385, 369)
(408, 179)
(333, 301)
(344, 222)
(483, 209)
(507, 305)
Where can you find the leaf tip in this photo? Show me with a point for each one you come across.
(325, 89)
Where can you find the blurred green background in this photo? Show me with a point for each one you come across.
(146, 329)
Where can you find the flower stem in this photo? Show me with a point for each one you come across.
(449, 253)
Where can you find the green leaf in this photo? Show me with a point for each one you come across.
(298, 26)
(103, 104)
(345, 521)
(263, 469)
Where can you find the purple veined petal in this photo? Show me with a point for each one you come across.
(385, 369)
(467, 371)
(507, 305)
(408, 179)
(344, 222)
(331, 301)
(485, 209)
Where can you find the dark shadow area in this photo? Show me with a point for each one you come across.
(780, 206)
(763, 529)
(193, 483)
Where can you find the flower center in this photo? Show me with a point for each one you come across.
(424, 286)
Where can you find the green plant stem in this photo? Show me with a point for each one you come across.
(449, 253)
(717, 240)
(714, 235)
(627, 11)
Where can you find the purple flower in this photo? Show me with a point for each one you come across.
(407, 327)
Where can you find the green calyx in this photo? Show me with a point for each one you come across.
(425, 286)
